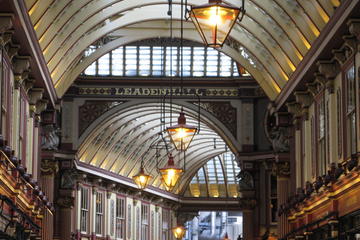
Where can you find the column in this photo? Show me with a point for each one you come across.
(247, 206)
(213, 223)
(248, 224)
(279, 132)
(283, 186)
(65, 204)
(48, 170)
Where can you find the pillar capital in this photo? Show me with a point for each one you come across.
(6, 23)
(351, 42)
(354, 27)
(312, 88)
(12, 50)
(247, 203)
(329, 70)
(65, 202)
(339, 55)
(49, 167)
(281, 169)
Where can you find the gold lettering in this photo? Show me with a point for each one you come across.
(163, 91)
(127, 91)
(136, 91)
(153, 91)
(146, 91)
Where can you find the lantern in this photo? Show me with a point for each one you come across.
(141, 179)
(179, 232)
(170, 174)
(214, 21)
(226, 237)
(181, 134)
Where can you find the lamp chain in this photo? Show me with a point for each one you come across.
(181, 46)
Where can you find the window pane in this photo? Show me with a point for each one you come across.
(164, 61)
(144, 61)
(91, 70)
(236, 70)
(104, 65)
(225, 65)
(171, 61)
(130, 60)
(186, 61)
(157, 61)
(117, 62)
(198, 63)
(212, 62)
(350, 77)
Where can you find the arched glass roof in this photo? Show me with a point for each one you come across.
(217, 178)
(269, 42)
(119, 142)
(159, 61)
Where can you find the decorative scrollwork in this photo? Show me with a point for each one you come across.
(246, 181)
(49, 167)
(65, 202)
(91, 110)
(224, 112)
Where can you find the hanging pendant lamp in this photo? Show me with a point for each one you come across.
(141, 178)
(215, 20)
(179, 232)
(170, 174)
(226, 237)
(181, 134)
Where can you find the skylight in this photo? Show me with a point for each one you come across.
(159, 61)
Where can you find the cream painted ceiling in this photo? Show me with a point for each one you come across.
(269, 43)
(120, 141)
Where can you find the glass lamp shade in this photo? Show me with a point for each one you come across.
(181, 134)
(141, 179)
(226, 237)
(214, 21)
(170, 174)
(272, 237)
(179, 232)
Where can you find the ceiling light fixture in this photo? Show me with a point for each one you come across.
(215, 20)
(170, 174)
(141, 178)
(179, 232)
(181, 134)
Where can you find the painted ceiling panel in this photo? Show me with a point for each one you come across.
(278, 32)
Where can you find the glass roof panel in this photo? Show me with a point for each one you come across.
(219, 171)
(142, 60)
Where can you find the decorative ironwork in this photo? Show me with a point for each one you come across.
(91, 110)
(246, 181)
(224, 112)
(281, 169)
(66, 202)
(49, 167)
(49, 137)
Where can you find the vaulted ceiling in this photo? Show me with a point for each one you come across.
(122, 140)
(269, 42)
